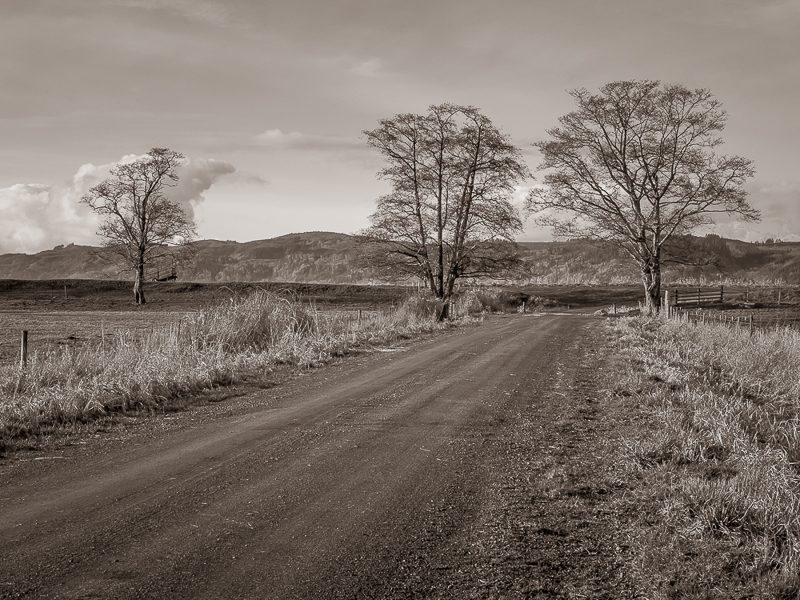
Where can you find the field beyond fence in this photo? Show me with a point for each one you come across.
(119, 369)
(747, 308)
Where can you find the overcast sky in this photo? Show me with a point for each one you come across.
(267, 99)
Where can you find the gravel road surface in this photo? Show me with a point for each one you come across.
(371, 478)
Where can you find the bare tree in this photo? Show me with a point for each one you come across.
(140, 224)
(635, 165)
(449, 215)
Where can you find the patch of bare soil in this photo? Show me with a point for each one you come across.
(554, 520)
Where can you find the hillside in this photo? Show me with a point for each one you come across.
(724, 260)
(306, 257)
(321, 257)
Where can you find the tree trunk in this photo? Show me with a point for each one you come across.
(651, 278)
(138, 285)
(443, 311)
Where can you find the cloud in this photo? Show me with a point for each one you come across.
(368, 68)
(277, 139)
(36, 217)
(196, 176)
(195, 10)
(779, 203)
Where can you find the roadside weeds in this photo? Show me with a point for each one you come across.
(243, 339)
(715, 460)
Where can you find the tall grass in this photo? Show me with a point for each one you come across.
(720, 460)
(213, 347)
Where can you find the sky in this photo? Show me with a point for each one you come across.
(268, 99)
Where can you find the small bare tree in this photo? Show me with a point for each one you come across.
(140, 224)
(635, 166)
(449, 214)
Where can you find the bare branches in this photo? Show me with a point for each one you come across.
(635, 165)
(449, 215)
(140, 223)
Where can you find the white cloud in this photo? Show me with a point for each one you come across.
(277, 139)
(368, 68)
(195, 10)
(779, 203)
(35, 217)
(196, 176)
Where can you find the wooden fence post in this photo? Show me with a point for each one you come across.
(23, 351)
(666, 301)
(720, 293)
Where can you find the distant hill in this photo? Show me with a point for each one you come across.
(315, 257)
(320, 257)
(723, 260)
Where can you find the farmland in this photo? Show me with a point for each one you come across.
(567, 455)
(76, 312)
(73, 313)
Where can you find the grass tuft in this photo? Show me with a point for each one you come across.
(719, 464)
(214, 347)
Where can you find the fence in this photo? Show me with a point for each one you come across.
(700, 296)
(751, 321)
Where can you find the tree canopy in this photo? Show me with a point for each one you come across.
(449, 214)
(139, 223)
(636, 165)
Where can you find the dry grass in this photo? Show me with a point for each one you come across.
(719, 463)
(134, 369)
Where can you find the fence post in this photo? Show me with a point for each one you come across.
(751, 325)
(666, 300)
(614, 308)
(698, 295)
(720, 294)
(23, 351)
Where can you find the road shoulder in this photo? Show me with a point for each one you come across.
(553, 519)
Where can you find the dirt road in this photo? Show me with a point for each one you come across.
(389, 475)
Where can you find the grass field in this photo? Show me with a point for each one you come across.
(50, 330)
(74, 313)
(86, 364)
(715, 460)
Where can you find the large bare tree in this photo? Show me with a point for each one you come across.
(140, 225)
(449, 213)
(635, 165)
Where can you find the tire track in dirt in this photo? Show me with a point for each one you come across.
(371, 480)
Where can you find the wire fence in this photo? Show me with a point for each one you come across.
(743, 320)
